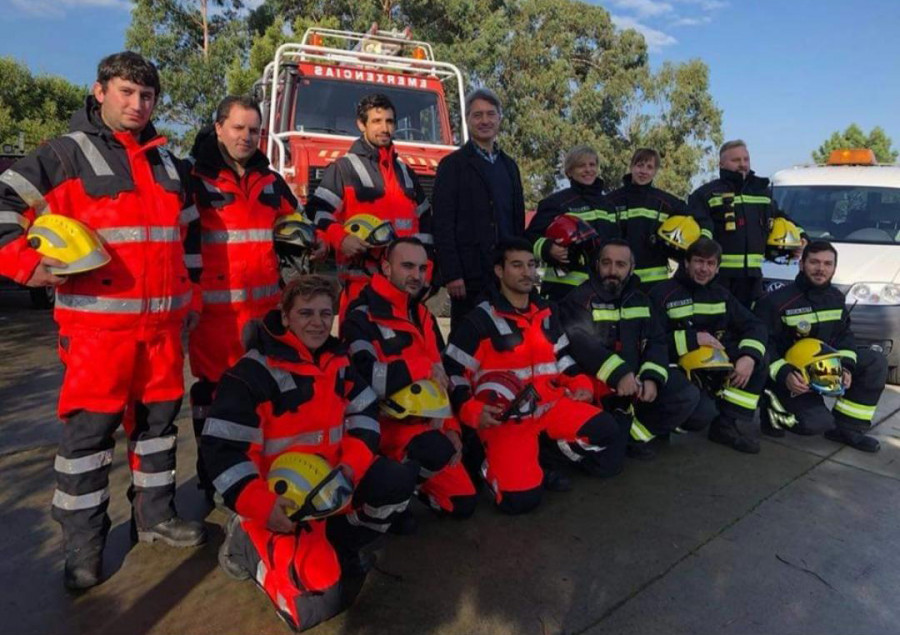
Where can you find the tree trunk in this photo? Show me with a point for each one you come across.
(204, 5)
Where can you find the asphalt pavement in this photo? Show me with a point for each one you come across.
(801, 538)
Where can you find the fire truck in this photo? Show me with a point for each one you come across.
(310, 90)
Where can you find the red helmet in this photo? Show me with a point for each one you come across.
(568, 230)
(504, 389)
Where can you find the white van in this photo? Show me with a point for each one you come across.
(855, 204)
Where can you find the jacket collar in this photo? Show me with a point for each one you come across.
(629, 183)
(631, 285)
(594, 189)
(806, 285)
(396, 302)
(363, 148)
(209, 160)
(682, 276)
(272, 339)
(502, 305)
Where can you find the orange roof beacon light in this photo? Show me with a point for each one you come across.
(419, 53)
(315, 39)
(851, 156)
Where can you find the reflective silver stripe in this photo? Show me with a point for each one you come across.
(26, 191)
(336, 434)
(456, 380)
(199, 412)
(550, 368)
(152, 446)
(329, 197)
(457, 354)
(425, 239)
(84, 464)
(265, 291)
(50, 236)
(280, 444)
(13, 218)
(587, 447)
(140, 234)
(189, 214)
(193, 261)
(358, 346)
(323, 215)
(407, 179)
(362, 401)
(362, 422)
(269, 189)
(354, 519)
(386, 331)
(282, 377)
(379, 378)
(422, 208)
(212, 189)
(571, 454)
(153, 479)
(561, 343)
(169, 165)
(225, 296)
(91, 153)
(261, 572)
(231, 431)
(384, 511)
(499, 323)
(236, 236)
(564, 363)
(71, 503)
(234, 474)
(360, 169)
(98, 304)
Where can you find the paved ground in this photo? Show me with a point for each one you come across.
(799, 539)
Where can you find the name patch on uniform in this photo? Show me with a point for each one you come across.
(806, 309)
(676, 303)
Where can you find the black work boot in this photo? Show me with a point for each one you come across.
(640, 450)
(724, 430)
(405, 524)
(175, 532)
(556, 481)
(82, 570)
(856, 440)
(232, 569)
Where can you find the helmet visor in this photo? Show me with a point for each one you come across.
(381, 235)
(826, 375)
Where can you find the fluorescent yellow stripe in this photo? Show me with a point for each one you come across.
(754, 344)
(639, 432)
(635, 312)
(750, 198)
(681, 346)
(652, 274)
(605, 315)
(706, 233)
(642, 212)
(709, 308)
(680, 312)
(740, 397)
(628, 313)
(775, 367)
(814, 317)
(609, 366)
(855, 410)
(845, 352)
(538, 246)
(573, 278)
(594, 214)
(654, 367)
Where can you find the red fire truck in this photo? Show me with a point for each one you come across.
(310, 90)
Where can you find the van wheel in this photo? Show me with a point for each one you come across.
(42, 297)
(894, 375)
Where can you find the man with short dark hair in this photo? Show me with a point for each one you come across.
(120, 325)
(239, 198)
(699, 314)
(478, 202)
(618, 338)
(395, 342)
(369, 179)
(513, 337)
(737, 209)
(811, 309)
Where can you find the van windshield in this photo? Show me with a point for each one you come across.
(844, 213)
(329, 106)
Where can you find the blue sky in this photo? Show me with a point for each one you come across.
(787, 73)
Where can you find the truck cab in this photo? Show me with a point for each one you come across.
(854, 203)
(310, 90)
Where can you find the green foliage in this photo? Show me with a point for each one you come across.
(854, 137)
(195, 45)
(37, 105)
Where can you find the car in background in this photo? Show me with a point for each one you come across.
(854, 203)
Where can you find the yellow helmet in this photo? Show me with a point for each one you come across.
(309, 481)
(783, 241)
(423, 398)
(294, 232)
(371, 229)
(820, 365)
(677, 233)
(706, 366)
(69, 241)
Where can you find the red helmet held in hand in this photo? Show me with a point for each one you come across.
(567, 230)
(503, 389)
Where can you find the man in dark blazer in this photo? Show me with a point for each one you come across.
(477, 202)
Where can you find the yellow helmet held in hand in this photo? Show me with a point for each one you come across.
(423, 398)
(677, 233)
(371, 229)
(707, 367)
(820, 365)
(318, 489)
(784, 239)
(69, 241)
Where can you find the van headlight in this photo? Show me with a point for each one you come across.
(880, 293)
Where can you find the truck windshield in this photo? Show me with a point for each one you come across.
(329, 106)
(844, 213)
